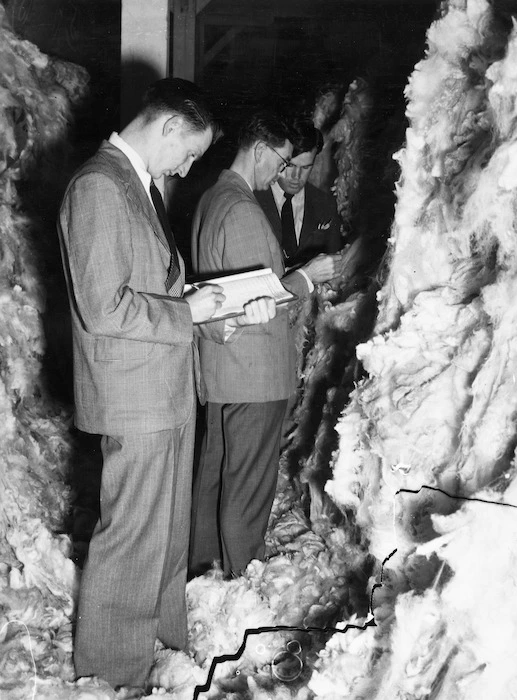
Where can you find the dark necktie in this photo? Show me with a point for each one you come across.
(289, 242)
(164, 220)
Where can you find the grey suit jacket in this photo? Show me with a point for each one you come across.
(321, 228)
(232, 233)
(133, 340)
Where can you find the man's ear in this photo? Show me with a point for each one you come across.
(172, 124)
(259, 150)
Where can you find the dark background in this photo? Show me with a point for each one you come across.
(273, 52)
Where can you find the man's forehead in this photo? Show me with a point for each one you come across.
(304, 158)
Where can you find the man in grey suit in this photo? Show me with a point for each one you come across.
(304, 218)
(134, 380)
(249, 380)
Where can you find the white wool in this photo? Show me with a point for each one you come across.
(438, 406)
(454, 35)
(220, 612)
(502, 95)
(344, 487)
(45, 559)
(176, 670)
(419, 646)
(37, 578)
(410, 407)
(481, 575)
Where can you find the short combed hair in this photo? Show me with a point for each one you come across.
(305, 137)
(264, 126)
(184, 98)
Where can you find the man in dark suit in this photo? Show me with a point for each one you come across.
(304, 218)
(135, 379)
(249, 379)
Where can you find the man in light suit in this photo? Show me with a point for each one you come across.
(134, 380)
(249, 380)
(304, 218)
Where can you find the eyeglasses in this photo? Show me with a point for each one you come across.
(285, 163)
(303, 168)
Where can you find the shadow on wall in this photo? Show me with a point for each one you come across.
(136, 76)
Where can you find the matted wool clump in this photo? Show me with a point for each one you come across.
(426, 455)
(38, 580)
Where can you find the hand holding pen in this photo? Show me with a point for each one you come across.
(204, 300)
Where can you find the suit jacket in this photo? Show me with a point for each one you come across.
(232, 233)
(132, 339)
(320, 231)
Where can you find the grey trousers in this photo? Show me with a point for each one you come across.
(133, 586)
(235, 484)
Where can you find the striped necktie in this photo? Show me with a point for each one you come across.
(164, 220)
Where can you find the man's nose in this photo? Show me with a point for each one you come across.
(296, 172)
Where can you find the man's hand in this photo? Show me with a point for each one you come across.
(204, 301)
(323, 267)
(256, 311)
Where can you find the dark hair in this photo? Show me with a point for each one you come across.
(264, 126)
(184, 98)
(305, 137)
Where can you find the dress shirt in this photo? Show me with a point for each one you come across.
(298, 202)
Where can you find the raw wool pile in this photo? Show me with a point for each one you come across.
(327, 108)
(304, 583)
(37, 579)
(426, 455)
(338, 316)
(349, 135)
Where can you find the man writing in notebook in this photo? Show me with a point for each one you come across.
(249, 380)
(134, 380)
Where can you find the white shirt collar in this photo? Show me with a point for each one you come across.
(278, 193)
(135, 160)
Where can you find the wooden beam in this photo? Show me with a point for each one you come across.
(184, 39)
(144, 50)
(235, 24)
(201, 4)
(219, 46)
(219, 20)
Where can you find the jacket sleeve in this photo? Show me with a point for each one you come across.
(334, 238)
(240, 243)
(97, 229)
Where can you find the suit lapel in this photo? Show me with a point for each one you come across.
(309, 223)
(134, 188)
(271, 237)
(268, 204)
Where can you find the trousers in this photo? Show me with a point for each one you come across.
(235, 484)
(133, 585)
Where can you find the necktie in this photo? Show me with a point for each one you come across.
(164, 220)
(289, 242)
